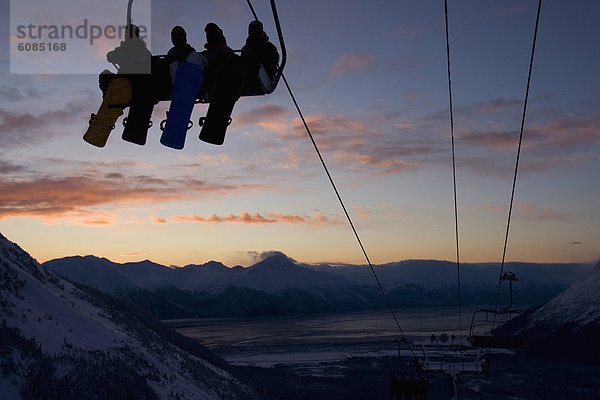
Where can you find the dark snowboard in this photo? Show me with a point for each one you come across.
(138, 121)
(228, 84)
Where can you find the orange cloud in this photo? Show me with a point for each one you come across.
(492, 208)
(158, 220)
(257, 218)
(362, 212)
(50, 198)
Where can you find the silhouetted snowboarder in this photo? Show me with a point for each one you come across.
(181, 48)
(259, 52)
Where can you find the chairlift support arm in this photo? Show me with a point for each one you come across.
(281, 45)
(129, 4)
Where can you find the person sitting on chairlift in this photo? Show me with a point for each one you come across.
(217, 51)
(132, 57)
(181, 48)
(257, 52)
(180, 51)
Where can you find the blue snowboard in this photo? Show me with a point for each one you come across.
(188, 82)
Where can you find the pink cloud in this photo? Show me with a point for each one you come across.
(360, 146)
(352, 64)
(23, 128)
(531, 212)
(506, 140)
(492, 208)
(490, 106)
(327, 125)
(535, 213)
(387, 165)
(261, 115)
(569, 133)
(13, 94)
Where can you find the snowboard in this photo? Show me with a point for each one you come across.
(138, 121)
(228, 84)
(117, 96)
(188, 82)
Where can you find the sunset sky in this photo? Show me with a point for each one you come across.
(371, 79)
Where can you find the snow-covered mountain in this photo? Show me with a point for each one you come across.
(566, 326)
(94, 272)
(435, 273)
(277, 285)
(278, 273)
(65, 341)
(272, 275)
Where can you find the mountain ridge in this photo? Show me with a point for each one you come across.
(278, 285)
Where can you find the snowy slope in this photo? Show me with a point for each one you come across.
(567, 327)
(576, 307)
(53, 328)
